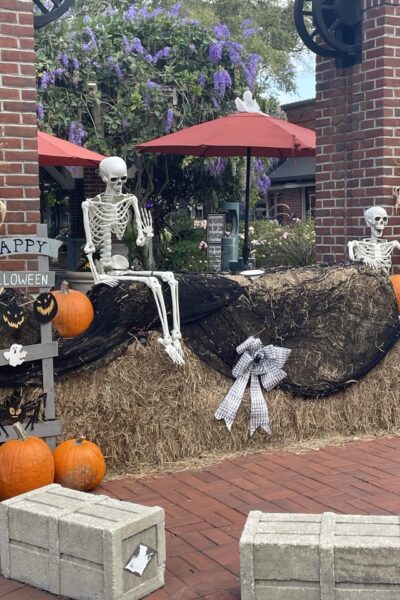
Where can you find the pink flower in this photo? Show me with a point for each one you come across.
(203, 245)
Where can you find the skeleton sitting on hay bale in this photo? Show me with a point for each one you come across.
(109, 213)
(374, 252)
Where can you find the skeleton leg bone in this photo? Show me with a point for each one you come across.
(173, 351)
(169, 278)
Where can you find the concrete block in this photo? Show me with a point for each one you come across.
(80, 545)
(320, 557)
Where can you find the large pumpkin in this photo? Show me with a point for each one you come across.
(395, 281)
(79, 464)
(25, 464)
(75, 312)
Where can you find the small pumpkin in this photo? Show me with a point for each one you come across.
(79, 464)
(25, 464)
(75, 312)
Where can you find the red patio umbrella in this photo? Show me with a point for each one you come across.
(55, 152)
(240, 134)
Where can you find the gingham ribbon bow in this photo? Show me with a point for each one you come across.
(256, 362)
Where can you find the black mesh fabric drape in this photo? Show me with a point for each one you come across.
(339, 322)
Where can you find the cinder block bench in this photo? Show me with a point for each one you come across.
(320, 557)
(81, 545)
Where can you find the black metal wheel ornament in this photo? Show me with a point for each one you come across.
(47, 15)
(338, 23)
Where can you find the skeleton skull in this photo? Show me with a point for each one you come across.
(376, 218)
(113, 171)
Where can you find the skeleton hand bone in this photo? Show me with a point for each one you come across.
(145, 232)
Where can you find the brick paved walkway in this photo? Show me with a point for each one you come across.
(206, 510)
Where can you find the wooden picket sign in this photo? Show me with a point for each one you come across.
(42, 247)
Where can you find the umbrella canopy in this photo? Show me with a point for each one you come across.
(248, 132)
(234, 134)
(55, 152)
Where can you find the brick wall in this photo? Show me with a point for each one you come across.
(301, 113)
(18, 141)
(358, 135)
(286, 201)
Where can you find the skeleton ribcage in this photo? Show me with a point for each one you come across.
(107, 216)
(379, 252)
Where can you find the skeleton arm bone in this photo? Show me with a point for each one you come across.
(89, 247)
(143, 222)
(350, 246)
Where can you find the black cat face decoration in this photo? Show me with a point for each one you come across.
(45, 307)
(13, 316)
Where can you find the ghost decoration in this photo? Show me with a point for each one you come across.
(13, 316)
(45, 307)
(15, 355)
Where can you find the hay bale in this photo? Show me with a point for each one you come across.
(147, 413)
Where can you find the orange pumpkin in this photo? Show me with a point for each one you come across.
(75, 312)
(395, 281)
(25, 464)
(79, 464)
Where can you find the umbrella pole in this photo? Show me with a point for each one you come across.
(246, 245)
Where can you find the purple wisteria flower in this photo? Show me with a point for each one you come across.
(110, 12)
(234, 51)
(163, 53)
(87, 19)
(215, 52)
(118, 72)
(146, 100)
(175, 10)
(131, 14)
(77, 133)
(64, 60)
(222, 81)
(202, 80)
(92, 43)
(263, 184)
(251, 69)
(222, 32)
(217, 166)
(149, 204)
(259, 166)
(75, 64)
(45, 80)
(40, 111)
(169, 121)
(248, 29)
(152, 85)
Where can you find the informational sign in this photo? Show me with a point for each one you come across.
(214, 258)
(25, 244)
(32, 279)
(215, 228)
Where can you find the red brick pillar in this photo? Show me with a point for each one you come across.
(358, 135)
(18, 131)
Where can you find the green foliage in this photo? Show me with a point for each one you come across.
(276, 245)
(182, 249)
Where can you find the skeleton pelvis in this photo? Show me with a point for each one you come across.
(116, 262)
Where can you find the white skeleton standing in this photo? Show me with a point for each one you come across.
(109, 213)
(374, 251)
